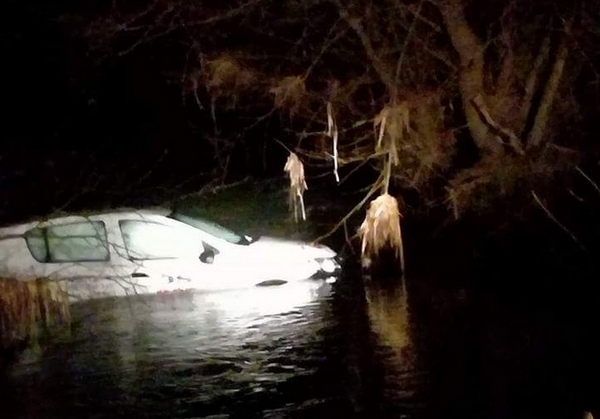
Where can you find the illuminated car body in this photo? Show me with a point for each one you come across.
(146, 252)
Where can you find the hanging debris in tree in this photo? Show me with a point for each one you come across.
(381, 228)
(295, 170)
(332, 131)
(394, 124)
(289, 93)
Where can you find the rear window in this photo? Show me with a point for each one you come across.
(75, 242)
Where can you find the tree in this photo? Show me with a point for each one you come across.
(399, 80)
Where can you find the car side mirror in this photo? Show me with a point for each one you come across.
(208, 256)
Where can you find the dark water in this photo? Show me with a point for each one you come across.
(315, 350)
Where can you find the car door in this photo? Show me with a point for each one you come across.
(236, 262)
(164, 257)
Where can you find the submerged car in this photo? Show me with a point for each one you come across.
(152, 251)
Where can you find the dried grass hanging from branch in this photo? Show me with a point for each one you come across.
(332, 131)
(295, 170)
(289, 93)
(392, 124)
(381, 228)
(226, 75)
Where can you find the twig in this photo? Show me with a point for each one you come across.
(553, 218)
(348, 238)
(330, 41)
(356, 25)
(150, 171)
(357, 207)
(387, 174)
(514, 141)
(197, 98)
(283, 145)
(405, 44)
(332, 131)
(213, 116)
(533, 78)
(360, 165)
(574, 195)
(237, 11)
(589, 179)
(549, 95)
(302, 207)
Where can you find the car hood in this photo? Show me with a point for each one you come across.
(277, 247)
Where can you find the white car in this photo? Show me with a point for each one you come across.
(152, 251)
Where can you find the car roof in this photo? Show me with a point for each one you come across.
(22, 228)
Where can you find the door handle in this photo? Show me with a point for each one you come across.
(139, 275)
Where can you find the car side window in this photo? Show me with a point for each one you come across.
(75, 242)
(150, 240)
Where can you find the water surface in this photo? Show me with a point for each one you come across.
(312, 350)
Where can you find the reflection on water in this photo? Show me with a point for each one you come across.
(309, 350)
(389, 318)
(254, 353)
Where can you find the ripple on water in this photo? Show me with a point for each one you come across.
(248, 354)
(300, 352)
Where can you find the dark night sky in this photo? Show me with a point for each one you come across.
(72, 124)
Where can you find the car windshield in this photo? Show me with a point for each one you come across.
(212, 228)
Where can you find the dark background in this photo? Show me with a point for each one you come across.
(79, 132)
(82, 132)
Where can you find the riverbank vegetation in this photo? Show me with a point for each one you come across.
(459, 105)
(27, 310)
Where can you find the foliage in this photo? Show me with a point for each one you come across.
(497, 179)
(225, 76)
(26, 307)
(289, 93)
(500, 76)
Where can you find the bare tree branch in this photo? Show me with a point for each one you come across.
(411, 30)
(514, 141)
(533, 79)
(553, 218)
(380, 67)
(543, 114)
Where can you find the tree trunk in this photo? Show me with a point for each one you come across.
(470, 51)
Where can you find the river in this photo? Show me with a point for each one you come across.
(314, 350)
